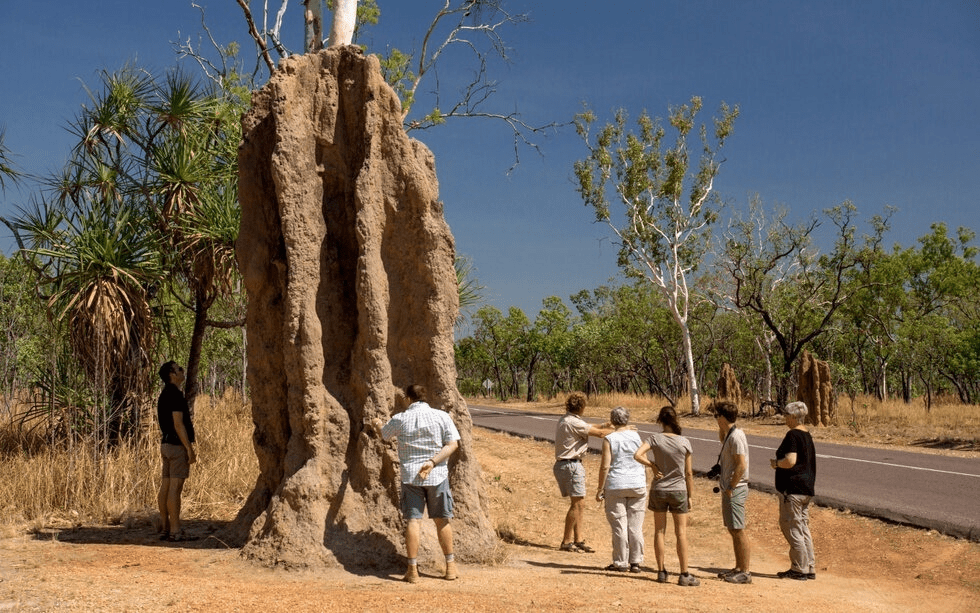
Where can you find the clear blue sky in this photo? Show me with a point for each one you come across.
(876, 101)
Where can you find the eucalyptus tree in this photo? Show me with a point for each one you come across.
(472, 29)
(938, 319)
(553, 326)
(668, 201)
(774, 273)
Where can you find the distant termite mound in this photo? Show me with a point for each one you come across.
(816, 390)
(352, 294)
(728, 387)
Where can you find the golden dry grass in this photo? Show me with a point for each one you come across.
(42, 485)
(948, 425)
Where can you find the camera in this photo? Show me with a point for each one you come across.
(714, 473)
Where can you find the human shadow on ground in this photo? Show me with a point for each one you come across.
(200, 534)
(593, 567)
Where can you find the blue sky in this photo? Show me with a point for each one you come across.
(876, 101)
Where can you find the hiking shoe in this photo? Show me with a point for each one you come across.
(688, 580)
(451, 571)
(728, 573)
(811, 576)
(618, 569)
(740, 577)
(583, 547)
(792, 574)
(412, 574)
(661, 576)
(569, 547)
(635, 568)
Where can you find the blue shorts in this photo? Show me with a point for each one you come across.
(437, 498)
(570, 475)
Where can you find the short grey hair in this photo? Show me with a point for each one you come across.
(619, 416)
(797, 410)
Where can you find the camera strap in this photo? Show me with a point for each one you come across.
(725, 442)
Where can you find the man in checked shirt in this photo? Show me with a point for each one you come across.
(426, 438)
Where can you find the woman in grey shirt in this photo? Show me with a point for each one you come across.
(673, 482)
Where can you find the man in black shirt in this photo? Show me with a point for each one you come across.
(796, 473)
(176, 449)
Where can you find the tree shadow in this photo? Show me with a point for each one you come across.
(201, 534)
(948, 443)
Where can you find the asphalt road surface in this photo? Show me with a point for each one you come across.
(931, 491)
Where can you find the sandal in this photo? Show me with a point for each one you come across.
(569, 547)
(181, 537)
(583, 547)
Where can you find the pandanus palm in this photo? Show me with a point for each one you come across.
(148, 199)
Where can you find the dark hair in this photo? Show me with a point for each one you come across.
(166, 369)
(415, 392)
(725, 409)
(575, 403)
(668, 419)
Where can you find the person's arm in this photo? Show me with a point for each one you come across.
(741, 462)
(689, 477)
(787, 461)
(603, 470)
(178, 417)
(641, 455)
(601, 431)
(447, 450)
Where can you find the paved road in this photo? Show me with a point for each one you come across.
(926, 490)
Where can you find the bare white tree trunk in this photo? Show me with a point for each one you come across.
(344, 18)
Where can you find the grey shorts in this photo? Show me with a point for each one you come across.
(733, 508)
(437, 498)
(175, 462)
(570, 475)
(675, 502)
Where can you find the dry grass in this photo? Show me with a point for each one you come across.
(947, 426)
(45, 485)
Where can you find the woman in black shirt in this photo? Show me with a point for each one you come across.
(796, 472)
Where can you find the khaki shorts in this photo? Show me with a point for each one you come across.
(733, 508)
(570, 475)
(175, 463)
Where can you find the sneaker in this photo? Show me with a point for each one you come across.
(661, 576)
(412, 574)
(618, 569)
(583, 547)
(451, 571)
(688, 580)
(728, 573)
(635, 568)
(792, 574)
(569, 547)
(740, 577)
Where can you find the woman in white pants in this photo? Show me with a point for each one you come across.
(622, 484)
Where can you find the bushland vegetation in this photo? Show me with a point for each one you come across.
(894, 324)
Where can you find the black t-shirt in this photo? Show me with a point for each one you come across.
(172, 401)
(800, 478)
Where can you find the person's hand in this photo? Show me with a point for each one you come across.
(191, 457)
(375, 424)
(774, 463)
(657, 475)
(426, 469)
(599, 496)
